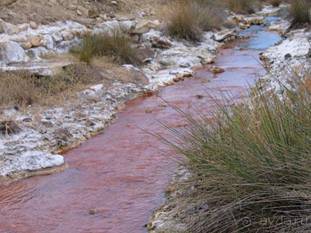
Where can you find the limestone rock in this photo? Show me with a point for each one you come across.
(161, 43)
(295, 46)
(30, 161)
(224, 35)
(254, 20)
(281, 27)
(145, 26)
(12, 52)
(67, 35)
(33, 25)
(108, 27)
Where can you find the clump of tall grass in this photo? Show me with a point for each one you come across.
(242, 6)
(17, 88)
(116, 45)
(301, 12)
(252, 165)
(189, 19)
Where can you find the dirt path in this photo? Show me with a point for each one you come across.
(115, 180)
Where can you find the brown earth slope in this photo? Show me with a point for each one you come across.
(86, 11)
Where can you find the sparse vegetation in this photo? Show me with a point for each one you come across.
(23, 88)
(242, 6)
(300, 12)
(183, 22)
(188, 19)
(252, 165)
(117, 45)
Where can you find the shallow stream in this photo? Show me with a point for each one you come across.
(115, 180)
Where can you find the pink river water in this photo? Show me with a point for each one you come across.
(117, 179)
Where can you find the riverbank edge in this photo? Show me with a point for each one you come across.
(47, 158)
(167, 218)
(42, 152)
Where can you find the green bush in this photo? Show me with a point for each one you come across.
(183, 22)
(252, 165)
(188, 19)
(300, 12)
(116, 45)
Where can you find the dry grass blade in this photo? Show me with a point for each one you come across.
(24, 89)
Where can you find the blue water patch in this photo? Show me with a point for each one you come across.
(251, 31)
(269, 20)
(260, 39)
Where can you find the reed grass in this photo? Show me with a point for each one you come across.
(252, 165)
(116, 45)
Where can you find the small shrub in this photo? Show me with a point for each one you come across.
(252, 165)
(18, 88)
(300, 12)
(117, 45)
(23, 88)
(188, 19)
(183, 21)
(242, 6)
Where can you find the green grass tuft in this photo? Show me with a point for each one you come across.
(188, 19)
(252, 165)
(116, 45)
(301, 12)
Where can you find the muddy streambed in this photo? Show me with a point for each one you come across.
(115, 180)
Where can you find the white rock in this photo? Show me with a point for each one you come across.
(30, 161)
(48, 42)
(12, 52)
(36, 53)
(57, 37)
(145, 26)
(224, 35)
(107, 27)
(127, 25)
(147, 37)
(281, 27)
(93, 92)
(294, 47)
(67, 35)
(33, 25)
